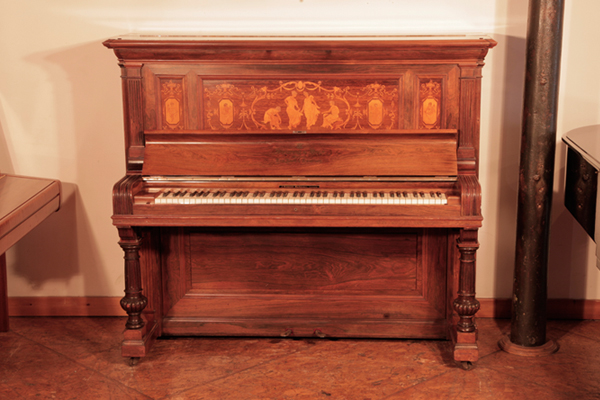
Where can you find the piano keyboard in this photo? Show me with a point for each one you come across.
(207, 196)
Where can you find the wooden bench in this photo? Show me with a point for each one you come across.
(24, 203)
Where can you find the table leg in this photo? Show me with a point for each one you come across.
(3, 295)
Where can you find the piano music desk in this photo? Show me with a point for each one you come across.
(24, 203)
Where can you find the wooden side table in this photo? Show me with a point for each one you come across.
(581, 183)
(24, 203)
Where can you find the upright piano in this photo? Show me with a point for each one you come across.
(300, 187)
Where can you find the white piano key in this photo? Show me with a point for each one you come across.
(199, 196)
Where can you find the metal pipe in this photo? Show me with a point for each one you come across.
(536, 174)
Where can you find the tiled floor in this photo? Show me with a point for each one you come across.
(79, 358)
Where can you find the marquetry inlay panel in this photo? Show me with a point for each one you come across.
(430, 103)
(171, 93)
(300, 105)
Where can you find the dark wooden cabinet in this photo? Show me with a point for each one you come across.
(300, 187)
(581, 181)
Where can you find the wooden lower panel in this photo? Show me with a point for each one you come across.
(326, 262)
(305, 306)
(354, 282)
(425, 329)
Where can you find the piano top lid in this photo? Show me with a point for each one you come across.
(167, 36)
(165, 46)
(586, 141)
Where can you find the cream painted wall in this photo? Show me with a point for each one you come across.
(61, 117)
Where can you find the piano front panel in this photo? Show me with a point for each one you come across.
(345, 282)
(214, 97)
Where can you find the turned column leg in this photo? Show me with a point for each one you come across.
(466, 305)
(134, 301)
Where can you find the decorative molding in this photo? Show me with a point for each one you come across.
(110, 307)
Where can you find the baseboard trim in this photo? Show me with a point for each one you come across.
(556, 308)
(65, 307)
(110, 307)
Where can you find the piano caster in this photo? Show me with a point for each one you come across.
(133, 361)
(287, 333)
(467, 365)
(319, 333)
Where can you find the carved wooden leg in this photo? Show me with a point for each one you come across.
(466, 305)
(139, 336)
(134, 301)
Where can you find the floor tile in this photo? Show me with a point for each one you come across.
(29, 370)
(80, 358)
(587, 328)
(573, 370)
(347, 369)
(479, 383)
(172, 365)
(490, 332)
